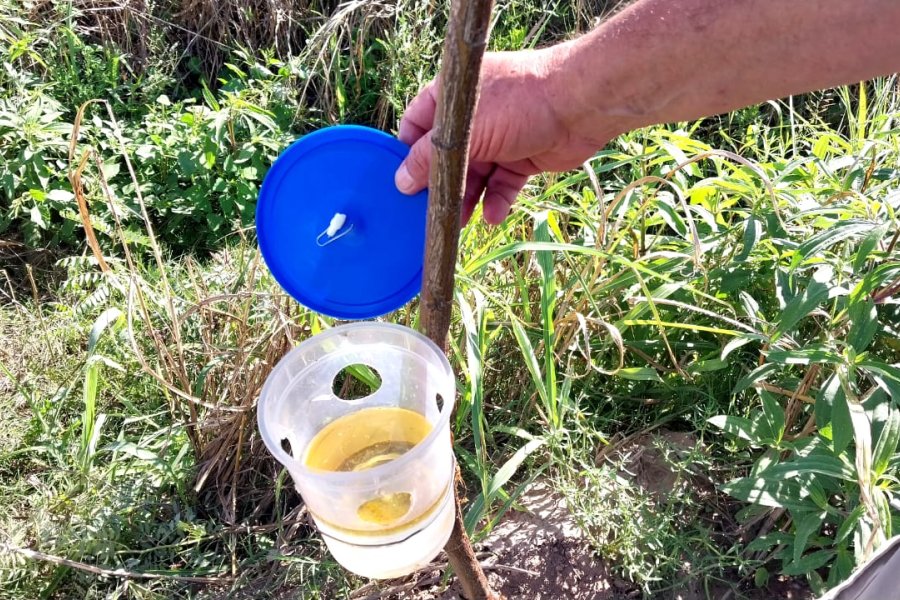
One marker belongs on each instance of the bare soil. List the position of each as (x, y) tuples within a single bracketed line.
[(540, 553)]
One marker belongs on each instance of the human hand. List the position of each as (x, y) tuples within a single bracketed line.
[(520, 128)]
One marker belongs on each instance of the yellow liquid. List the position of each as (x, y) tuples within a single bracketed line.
[(366, 439)]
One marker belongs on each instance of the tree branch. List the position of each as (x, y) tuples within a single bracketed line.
[(464, 46)]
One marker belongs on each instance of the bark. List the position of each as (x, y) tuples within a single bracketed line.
[(464, 46)]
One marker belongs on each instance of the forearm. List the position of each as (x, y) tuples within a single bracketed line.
[(665, 60)]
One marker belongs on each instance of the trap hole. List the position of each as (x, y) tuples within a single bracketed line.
[(356, 381)]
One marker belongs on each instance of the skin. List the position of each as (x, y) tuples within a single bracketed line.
[(659, 61)]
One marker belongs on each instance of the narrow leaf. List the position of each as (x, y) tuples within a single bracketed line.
[(106, 318), (886, 446), (803, 356), (639, 374), (806, 525), (863, 323), (736, 426), (808, 563), (753, 228), (757, 374), (774, 415), (800, 306)]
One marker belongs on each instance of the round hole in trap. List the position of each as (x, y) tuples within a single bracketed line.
[(286, 446), (356, 381)]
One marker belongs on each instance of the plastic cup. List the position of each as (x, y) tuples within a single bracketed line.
[(298, 401)]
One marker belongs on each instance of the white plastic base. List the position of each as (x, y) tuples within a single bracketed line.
[(398, 559)]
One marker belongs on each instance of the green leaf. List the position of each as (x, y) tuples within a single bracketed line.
[(806, 525), (475, 325), (821, 464), (187, 163), (132, 449), (866, 247), (849, 524), (214, 221), (883, 508), (736, 426), (531, 362), (545, 261), (840, 231), (863, 323), (761, 577), (887, 376), (106, 318), (750, 305), (366, 375), (672, 218), (757, 374), (841, 423), (88, 418), (767, 541), (37, 218), (200, 379), (784, 288), (803, 356), (800, 306), (736, 343), (808, 563), (753, 228), (60, 195), (782, 493), (639, 374), (110, 169), (708, 366), (505, 473), (841, 569), (886, 446), (774, 415), (209, 98)]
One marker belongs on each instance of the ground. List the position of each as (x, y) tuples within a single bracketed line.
[(540, 552)]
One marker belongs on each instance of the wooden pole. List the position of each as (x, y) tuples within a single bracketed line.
[(467, 34)]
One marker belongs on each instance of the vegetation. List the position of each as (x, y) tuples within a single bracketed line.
[(734, 279)]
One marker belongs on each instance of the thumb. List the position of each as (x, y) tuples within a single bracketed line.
[(412, 175)]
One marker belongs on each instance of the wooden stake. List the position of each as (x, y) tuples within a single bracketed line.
[(464, 46)]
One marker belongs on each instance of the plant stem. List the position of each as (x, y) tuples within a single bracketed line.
[(464, 46)]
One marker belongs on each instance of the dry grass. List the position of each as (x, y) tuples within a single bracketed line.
[(118, 22)]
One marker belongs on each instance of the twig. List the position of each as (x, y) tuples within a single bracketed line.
[(120, 573), (779, 390), (512, 569)]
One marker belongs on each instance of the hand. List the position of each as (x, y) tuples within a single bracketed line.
[(518, 131)]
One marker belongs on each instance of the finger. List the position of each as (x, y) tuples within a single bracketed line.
[(418, 117), (412, 175), (503, 186), (476, 179)]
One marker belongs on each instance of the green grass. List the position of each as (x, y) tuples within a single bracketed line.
[(635, 298)]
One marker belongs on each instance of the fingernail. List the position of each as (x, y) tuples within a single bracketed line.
[(404, 181)]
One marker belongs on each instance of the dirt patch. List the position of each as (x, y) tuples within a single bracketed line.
[(540, 552), (657, 462), (537, 553)]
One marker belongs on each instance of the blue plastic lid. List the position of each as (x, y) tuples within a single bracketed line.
[(363, 265)]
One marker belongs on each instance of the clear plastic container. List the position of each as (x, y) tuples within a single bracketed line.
[(298, 401)]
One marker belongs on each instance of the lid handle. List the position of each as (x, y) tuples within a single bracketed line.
[(332, 231)]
